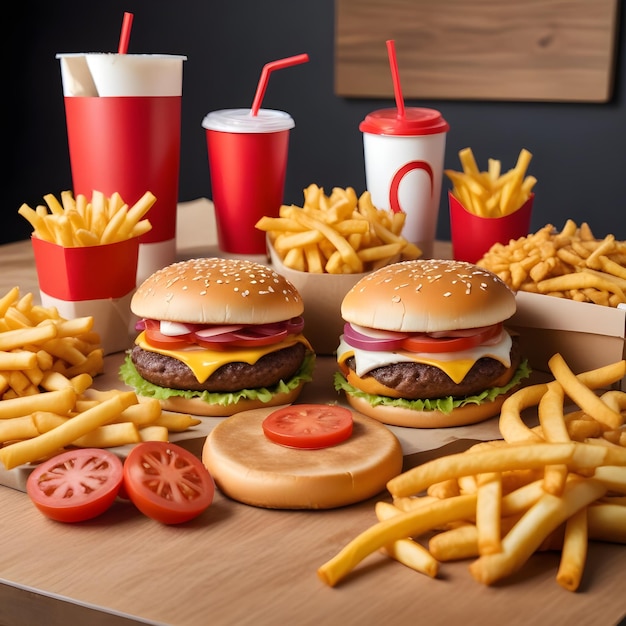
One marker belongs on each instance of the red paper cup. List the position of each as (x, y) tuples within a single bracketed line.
[(248, 166), (472, 235), (128, 145), (86, 273)]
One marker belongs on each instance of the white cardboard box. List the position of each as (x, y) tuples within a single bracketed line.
[(587, 335)]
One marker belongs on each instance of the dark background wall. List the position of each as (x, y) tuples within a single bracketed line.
[(579, 149)]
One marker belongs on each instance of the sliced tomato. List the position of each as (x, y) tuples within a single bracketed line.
[(310, 426), (166, 482), (169, 342), (453, 341), (76, 485), (428, 343)]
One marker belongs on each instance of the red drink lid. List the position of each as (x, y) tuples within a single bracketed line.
[(416, 121)]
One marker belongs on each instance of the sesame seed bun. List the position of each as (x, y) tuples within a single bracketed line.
[(249, 468), (428, 295), (217, 291)]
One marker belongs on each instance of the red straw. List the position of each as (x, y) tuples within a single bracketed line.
[(125, 34), (268, 68), (395, 75)]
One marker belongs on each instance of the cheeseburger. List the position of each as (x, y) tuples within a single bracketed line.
[(424, 344), (218, 336)]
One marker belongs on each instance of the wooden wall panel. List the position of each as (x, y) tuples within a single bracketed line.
[(545, 50)]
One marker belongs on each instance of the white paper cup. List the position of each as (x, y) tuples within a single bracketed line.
[(110, 74), (404, 168)]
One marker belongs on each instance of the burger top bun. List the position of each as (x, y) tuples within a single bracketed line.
[(250, 468), (217, 291), (428, 295)]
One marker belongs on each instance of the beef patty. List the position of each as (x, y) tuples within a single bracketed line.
[(270, 369), (420, 381)]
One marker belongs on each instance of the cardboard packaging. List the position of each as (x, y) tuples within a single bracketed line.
[(96, 281), (587, 335), (322, 295)]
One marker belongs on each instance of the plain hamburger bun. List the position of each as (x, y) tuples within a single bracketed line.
[(249, 468)]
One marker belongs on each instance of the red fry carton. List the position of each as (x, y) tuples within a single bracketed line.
[(473, 235), (96, 281)]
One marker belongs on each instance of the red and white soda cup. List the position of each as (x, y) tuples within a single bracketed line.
[(404, 157), (123, 115), (248, 165)]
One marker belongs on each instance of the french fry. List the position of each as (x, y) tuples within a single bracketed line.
[(407, 551), (491, 193), (61, 401), (76, 222), (63, 435), (532, 529), (154, 433), (508, 499), (408, 524), (574, 552), (337, 234), (570, 263)]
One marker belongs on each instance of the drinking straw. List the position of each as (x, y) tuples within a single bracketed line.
[(127, 23), (395, 75), (268, 68)]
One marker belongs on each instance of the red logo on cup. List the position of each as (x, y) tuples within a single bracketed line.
[(394, 201)]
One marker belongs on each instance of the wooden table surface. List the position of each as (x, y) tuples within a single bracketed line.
[(237, 564)]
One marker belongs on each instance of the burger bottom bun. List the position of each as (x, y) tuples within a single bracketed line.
[(400, 416), (250, 468), (196, 406)]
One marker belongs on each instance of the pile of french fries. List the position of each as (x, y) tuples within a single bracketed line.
[(337, 234), (491, 193), (570, 263), (47, 367), (77, 222), (552, 487)]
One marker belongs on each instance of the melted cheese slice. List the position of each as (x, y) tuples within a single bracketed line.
[(455, 364), (203, 361)]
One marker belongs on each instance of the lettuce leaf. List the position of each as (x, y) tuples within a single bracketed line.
[(445, 405), (129, 375)]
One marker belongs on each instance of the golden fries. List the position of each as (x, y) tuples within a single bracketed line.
[(337, 234), (41, 351), (570, 263), (499, 502), (490, 193), (79, 223), (47, 367)]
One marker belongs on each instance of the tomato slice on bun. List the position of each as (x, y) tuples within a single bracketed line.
[(310, 426)]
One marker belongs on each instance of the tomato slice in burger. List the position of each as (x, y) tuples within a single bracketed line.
[(309, 426), (76, 485), (169, 342), (464, 340), (166, 482)]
